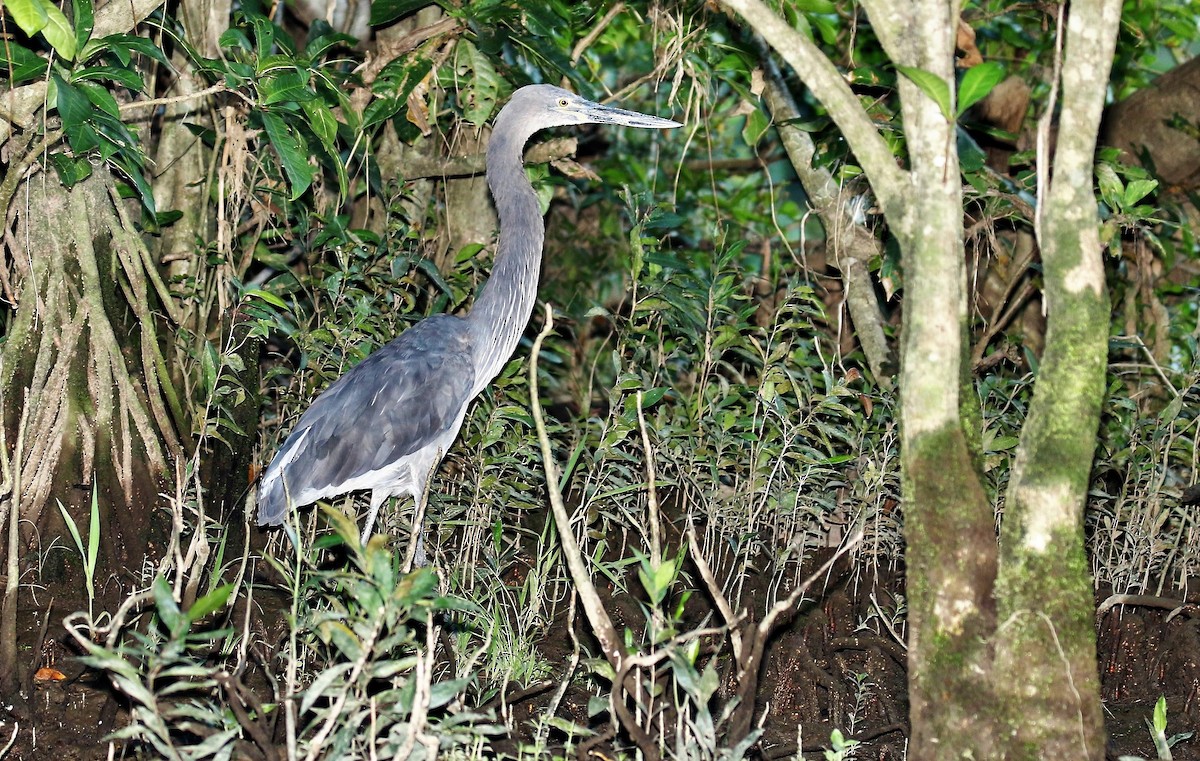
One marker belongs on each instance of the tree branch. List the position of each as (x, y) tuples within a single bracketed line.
[(850, 244), (818, 73)]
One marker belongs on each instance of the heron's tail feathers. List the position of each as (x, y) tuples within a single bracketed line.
[(272, 500)]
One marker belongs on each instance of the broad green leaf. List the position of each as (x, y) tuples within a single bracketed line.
[(30, 15), (343, 638), (168, 609), (101, 98), (343, 526), (318, 45), (977, 82), (73, 106), (1160, 714), (1136, 190), (288, 87), (322, 683), (292, 152), (70, 170), (379, 110), (931, 84), (122, 47), (971, 157), (126, 77), (652, 397), (59, 33), (477, 97), (270, 298), (756, 126), (85, 21), (442, 693), (323, 122), (1112, 190), (21, 63)]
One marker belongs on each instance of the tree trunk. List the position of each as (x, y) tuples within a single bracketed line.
[(1045, 586), (80, 369), (1002, 663)]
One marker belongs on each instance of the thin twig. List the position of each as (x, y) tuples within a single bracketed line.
[(714, 590), (652, 516), (602, 626), (590, 37), (154, 102)]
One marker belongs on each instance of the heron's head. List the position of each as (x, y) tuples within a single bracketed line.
[(541, 106)]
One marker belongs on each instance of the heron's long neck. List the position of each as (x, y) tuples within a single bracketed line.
[(506, 300)]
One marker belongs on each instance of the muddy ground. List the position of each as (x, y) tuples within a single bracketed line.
[(821, 671)]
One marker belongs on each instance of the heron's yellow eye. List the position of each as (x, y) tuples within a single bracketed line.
[(562, 102)]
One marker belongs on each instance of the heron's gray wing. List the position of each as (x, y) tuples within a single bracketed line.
[(395, 402)]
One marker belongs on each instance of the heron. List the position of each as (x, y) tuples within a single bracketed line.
[(386, 424)]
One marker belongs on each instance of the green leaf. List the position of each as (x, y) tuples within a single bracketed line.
[(93, 552), (379, 110), (322, 683), (21, 63), (168, 609), (122, 47), (1160, 714), (74, 108), (976, 83), (289, 87), (234, 38), (345, 640), (1136, 190), (126, 77), (59, 33), (1112, 190), (323, 122), (971, 157), (209, 602), (85, 21), (71, 170), (386, 11), (934, 87), (30, 15), (270, 298), (652, 397), (133, 172), (101, 98), (756, 126), (478, 95), (292, 153)]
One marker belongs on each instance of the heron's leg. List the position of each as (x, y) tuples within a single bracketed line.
[(421, 499), (378, 497)]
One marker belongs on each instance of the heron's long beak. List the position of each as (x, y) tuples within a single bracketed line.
[(610, 115)]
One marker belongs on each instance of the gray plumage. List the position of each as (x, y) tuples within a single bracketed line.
[(386, 424)]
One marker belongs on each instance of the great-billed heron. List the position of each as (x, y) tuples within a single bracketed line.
[(387, 423)]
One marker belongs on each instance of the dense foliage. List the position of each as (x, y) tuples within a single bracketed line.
[(702, 380)]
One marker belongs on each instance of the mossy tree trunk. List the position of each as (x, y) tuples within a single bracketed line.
[(1045, 590), (81, 372), (1000, 665)]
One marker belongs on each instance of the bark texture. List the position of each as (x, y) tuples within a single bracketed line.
[(80, 369), (1045, 586), (1001, 663)]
